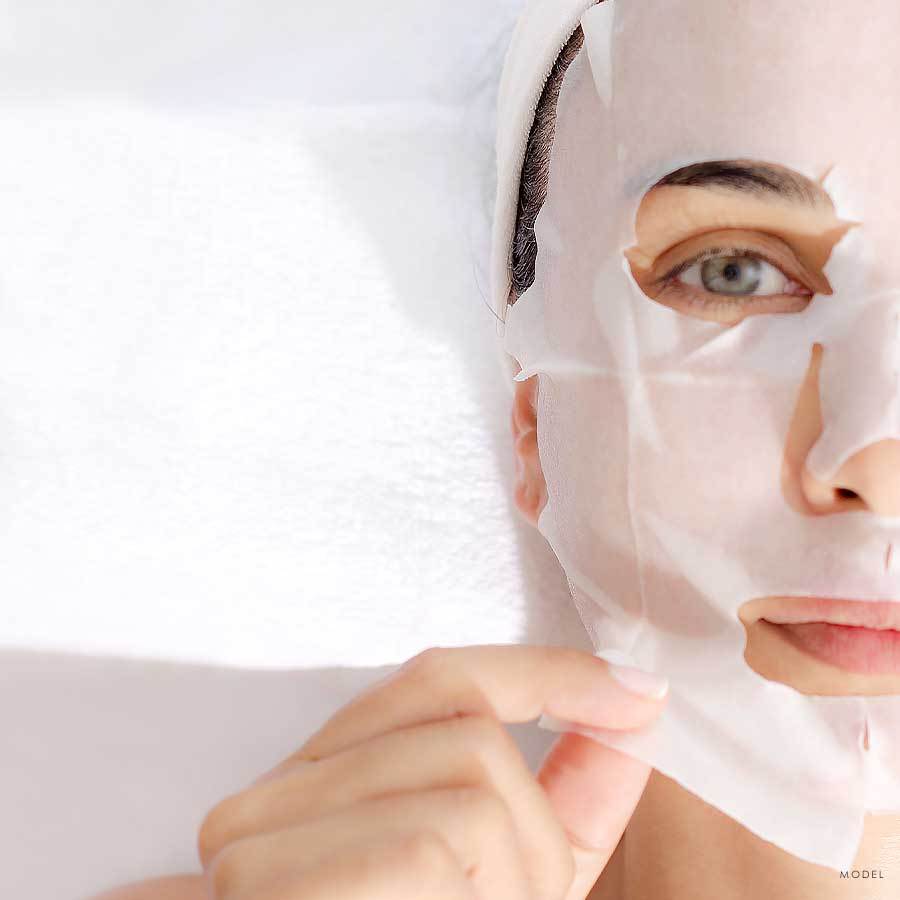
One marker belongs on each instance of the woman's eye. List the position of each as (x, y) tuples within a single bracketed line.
[(736, 276), (727, 284)]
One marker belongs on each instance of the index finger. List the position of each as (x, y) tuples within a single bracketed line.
[(512, 682)]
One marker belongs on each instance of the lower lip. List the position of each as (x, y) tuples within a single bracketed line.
[(868, 651)]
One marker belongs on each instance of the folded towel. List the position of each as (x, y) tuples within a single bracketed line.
[(251, 409)]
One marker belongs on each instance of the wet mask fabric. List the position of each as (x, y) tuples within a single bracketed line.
[(662, 435)]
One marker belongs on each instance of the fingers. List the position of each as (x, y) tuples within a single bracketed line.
[(474, 824), (593, 790), (424, 752), (473, 751), (422, 866), (513, 683)]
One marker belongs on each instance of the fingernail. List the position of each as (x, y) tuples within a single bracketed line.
[(647, 684)]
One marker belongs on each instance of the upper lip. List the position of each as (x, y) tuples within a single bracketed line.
[(882, 615)]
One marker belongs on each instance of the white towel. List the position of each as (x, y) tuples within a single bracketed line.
[(250, 409), (252, 413)]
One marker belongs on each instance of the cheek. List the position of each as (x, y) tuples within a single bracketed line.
[(715, 452), (709, 467), (583, 441), (694, 453)]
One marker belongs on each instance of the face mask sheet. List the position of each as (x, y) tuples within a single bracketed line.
[(662, 435)]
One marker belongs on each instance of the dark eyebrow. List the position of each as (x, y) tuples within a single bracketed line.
[(748, 177)]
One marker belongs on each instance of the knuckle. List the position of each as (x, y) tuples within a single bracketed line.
[(430, 670), (426, 852), (428, 660), (544, 661), (219, 827), (550, 657), (494, 746), (483, 810), (489, 743), (224, 875), (599, 845)]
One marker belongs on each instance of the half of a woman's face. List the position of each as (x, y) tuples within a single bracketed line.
[(727, 239), (718, 301)]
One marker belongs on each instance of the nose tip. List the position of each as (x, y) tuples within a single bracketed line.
[(870, 479)]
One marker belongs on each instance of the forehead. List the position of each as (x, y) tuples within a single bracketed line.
[(810, 80), (814, 87)]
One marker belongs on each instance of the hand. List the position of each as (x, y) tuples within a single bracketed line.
[(415, 789)]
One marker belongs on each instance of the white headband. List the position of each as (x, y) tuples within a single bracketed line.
[(539, 37)]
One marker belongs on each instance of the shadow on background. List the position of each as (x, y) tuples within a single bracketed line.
[(108, 766)]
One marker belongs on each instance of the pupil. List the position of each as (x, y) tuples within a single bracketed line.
[(732, 275)]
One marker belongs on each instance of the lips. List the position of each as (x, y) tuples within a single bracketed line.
[(861, 613), (859, 636)]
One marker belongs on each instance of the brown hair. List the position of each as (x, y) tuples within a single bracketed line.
[(536, 171)]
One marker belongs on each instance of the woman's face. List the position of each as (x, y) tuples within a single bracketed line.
[(714, 328), (707, 418), (723, 242)]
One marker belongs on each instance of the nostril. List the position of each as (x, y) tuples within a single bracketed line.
[(846, 494)]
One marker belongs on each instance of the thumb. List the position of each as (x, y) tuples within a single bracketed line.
[(593, 790)]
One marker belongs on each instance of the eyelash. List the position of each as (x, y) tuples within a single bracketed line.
[(710, 302)]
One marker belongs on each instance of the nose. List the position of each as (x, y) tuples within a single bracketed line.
[(869, 479)]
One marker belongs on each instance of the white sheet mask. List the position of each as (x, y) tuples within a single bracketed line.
[(662, 436)]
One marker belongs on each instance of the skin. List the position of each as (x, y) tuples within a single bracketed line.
[(676, 846), (415, 789)]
